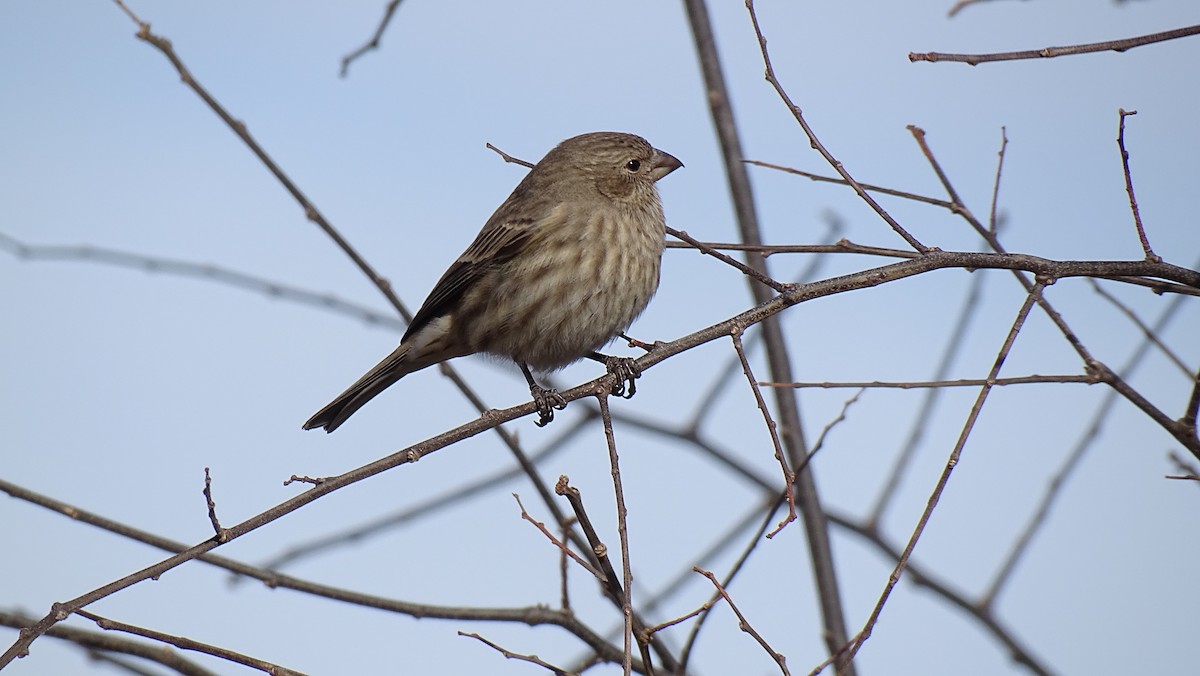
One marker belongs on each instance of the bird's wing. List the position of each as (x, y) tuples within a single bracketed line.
[(497, 243)]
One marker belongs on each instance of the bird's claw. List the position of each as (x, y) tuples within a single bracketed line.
[(547, 402), (626, 371)]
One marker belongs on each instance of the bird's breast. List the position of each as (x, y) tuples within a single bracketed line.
[(579, 282)]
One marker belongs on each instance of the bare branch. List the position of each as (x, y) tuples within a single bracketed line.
[(944, 479), (373, 43), (188, 644), (816, 143), (964, 382), (789, 477), (744, 624), (212, 508), (508, 654), (566, 550), (1051, 52), (103, 646), (1133, 206)]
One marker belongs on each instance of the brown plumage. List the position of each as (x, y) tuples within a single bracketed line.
[(566, 263)]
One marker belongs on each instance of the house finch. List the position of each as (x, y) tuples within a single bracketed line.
[(565, 264)]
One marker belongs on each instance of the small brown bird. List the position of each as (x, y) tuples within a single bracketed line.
[(565, 264)]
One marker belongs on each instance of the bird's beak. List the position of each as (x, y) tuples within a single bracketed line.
[(663, 164)]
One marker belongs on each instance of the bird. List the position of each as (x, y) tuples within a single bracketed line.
[(563, 266)]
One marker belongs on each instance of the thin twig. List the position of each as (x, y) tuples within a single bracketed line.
[(212, 508), (103, 646), (744, 624), (562, 546), (509, 158), (922, 384), (622, 530), (740, 266), (816, 142), (184, 643), (1133, 205), (842, 246), (373, 43), (1051, 52), (1072, 461), (1189, 470), (1149, 334), (865, 186), (1030, 300), (841, 416), (917, 575), (789, 477), (955, 342), (737, 567), (992, 220), (563, 568), (508, 654), (610, 583)]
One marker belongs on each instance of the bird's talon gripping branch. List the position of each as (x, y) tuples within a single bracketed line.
[(627, 372), (547, 402)]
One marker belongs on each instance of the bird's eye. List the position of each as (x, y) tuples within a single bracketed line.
[(633, 165)]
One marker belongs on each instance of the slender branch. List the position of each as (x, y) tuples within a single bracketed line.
[(955, 342), (215, 273), (509, 158), (373, 43), (612, 585), (744, 624), (819, 178), (789, 477), (841, 246), (919, 576), (1051, 52), (508, 654), (184, 643), (103, 645), (738, 566), (1089, 436), (993, 222), (1149, 334), (841, 417), (212, 508), (816, 143), (1030, 300), (1133, 205), (964, 382), (566, 550), (359, 532), (740, 266), (622, 531)]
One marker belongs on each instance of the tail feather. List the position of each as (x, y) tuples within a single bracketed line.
[(378, 379)]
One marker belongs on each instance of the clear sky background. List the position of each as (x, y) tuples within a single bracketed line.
[(120, 386)]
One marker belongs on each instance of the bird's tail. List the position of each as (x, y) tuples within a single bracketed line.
[(393, 368)]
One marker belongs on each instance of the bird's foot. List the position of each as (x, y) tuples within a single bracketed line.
[(547, 402), (626, 371)]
